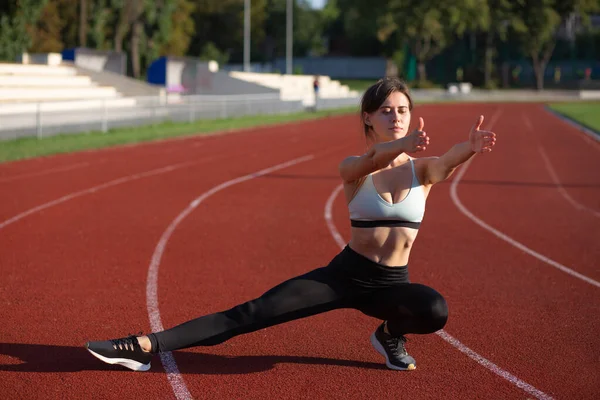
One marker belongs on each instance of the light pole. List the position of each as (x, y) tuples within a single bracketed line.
[(247, 35), (289, 42)]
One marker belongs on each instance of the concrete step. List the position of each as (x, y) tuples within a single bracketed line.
[(31, 69), (44, 81)]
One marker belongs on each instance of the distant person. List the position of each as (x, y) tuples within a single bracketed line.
[(386, 189), (516, 72), (316, 85)]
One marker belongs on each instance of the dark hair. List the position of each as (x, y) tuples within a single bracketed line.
[(376, 94)]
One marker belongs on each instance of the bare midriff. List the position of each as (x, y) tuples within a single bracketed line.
[(389, 246)]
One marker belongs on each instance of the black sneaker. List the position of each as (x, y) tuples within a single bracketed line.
[(124, 351), (392, 348)]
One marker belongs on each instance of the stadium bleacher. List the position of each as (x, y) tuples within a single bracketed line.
[(297, 87), (55, 87), (46, 94)]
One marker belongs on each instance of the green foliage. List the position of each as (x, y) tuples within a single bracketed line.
[(45, 32), (100, 19), (182, 29), (536, 24), (399, 58), (409, 32), (222, 23), (15, 37), (358, 27), (211, 52)]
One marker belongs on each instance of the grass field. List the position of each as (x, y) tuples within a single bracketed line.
[(30, 147), (359, 85), (586, 113)]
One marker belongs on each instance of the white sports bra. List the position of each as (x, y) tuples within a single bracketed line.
[(368, 209)]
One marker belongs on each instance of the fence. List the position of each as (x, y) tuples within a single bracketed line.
[(46, 119)]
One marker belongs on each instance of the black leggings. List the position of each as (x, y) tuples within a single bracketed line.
[(349, 281)]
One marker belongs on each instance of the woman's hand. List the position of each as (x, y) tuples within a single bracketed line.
[(417, 140), (481, 141)]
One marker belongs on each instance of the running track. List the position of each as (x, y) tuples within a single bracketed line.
[(104, 243)]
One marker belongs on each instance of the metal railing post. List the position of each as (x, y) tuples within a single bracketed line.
[(104, 117), (192, 111), (224, 108), (38, 118)]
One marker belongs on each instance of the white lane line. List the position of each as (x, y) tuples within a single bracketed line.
[(506, 238), (493, 367), (47, 172), (560, 187), (173, 375), (94, 189), (554, 175), (441, 333)]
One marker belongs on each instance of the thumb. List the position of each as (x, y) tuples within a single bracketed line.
[(421, 124), (478, 123)]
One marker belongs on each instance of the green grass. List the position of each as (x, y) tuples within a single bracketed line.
[(586, 113), (360, 85), (32, 147)]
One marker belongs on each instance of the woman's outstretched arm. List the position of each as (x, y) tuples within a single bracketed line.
[(380, 155), (480, 141)]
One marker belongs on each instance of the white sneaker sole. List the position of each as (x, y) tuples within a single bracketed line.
[(380, 350), (131, 364)]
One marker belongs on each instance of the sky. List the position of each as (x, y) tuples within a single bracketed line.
[(317, 3)]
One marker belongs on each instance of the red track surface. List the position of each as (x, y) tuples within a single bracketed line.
[(76, 270)]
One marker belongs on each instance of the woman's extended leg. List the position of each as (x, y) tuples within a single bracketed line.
[(312, 293), (315, 292)]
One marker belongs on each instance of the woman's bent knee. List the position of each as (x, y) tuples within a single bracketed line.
[(438, 314)]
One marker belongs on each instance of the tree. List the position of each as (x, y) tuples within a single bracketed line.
[(537, 24), (148, 24), (17, 18), (100, 20), (83, 16), (222, 23), (357, 34), (428, 25), (499, 15), (182, 31), (45, 33), (309, 40)]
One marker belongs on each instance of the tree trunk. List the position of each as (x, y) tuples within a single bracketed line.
[(422, 71), (489, 59), (82, 23), (135, 48), (540, 61), (539, 67), (122, 26)]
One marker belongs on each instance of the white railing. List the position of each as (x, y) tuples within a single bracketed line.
[(51, 118)]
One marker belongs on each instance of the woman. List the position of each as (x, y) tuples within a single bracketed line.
[(386, 190)]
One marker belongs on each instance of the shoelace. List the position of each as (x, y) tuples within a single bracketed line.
[(397, 345), (126, 343)]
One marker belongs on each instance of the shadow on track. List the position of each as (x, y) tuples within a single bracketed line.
[(51, 358)]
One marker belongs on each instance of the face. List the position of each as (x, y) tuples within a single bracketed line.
[(391, 120)]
